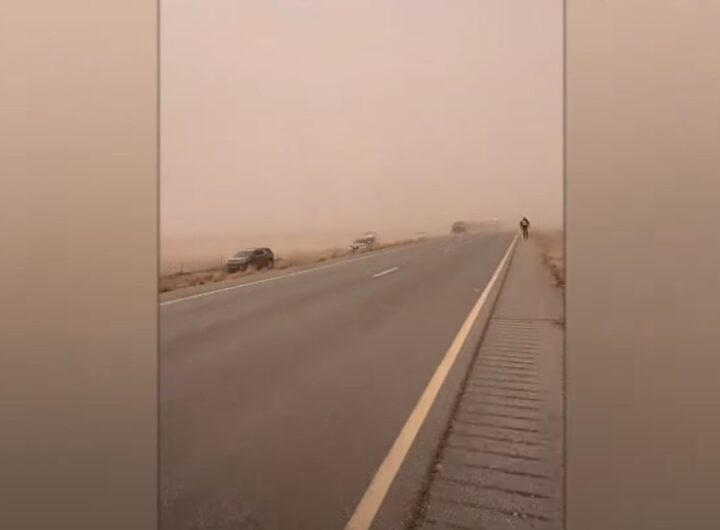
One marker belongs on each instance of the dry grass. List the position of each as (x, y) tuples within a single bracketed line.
[(308, 258), (172, 282), (551, 245)]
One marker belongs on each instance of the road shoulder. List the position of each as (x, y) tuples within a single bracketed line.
[(264, 276), (499, 461)]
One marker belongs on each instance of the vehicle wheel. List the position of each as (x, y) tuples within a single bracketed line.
[(270, 264)]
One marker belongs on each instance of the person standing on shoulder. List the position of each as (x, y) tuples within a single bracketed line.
[(525, 226)]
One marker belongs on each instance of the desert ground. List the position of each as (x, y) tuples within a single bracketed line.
[(552, 247), (188, 261)]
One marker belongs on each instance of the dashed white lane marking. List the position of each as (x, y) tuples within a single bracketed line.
[(377, 490), (386, 271)]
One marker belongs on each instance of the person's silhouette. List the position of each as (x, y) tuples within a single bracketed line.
[(525, 226)]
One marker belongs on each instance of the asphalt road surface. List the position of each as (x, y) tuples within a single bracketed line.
[(279, 400)]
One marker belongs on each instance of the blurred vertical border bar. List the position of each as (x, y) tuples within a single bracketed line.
[(79, 267), (643, 281)]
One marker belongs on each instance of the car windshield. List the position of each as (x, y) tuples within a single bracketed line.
[(243, 254)]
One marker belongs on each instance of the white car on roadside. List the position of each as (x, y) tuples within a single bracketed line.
[(363, 243)]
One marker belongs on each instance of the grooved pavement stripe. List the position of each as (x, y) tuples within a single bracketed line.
[(501, 465)]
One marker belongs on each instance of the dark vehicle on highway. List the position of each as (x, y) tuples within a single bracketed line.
[(258, 258), (459, 227)]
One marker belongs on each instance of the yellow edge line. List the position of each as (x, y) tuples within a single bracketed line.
[(375, 495)]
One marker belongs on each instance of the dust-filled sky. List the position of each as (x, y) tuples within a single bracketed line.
[(315, 115)]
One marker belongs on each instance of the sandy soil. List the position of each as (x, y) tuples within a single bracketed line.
[(551, 244), (187, 254), (171, 281)]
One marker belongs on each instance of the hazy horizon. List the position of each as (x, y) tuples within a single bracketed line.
[(341, 116)]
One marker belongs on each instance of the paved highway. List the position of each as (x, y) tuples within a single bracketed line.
[(280, 399)]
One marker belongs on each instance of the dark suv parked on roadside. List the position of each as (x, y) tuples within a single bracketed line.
[(258, 258)]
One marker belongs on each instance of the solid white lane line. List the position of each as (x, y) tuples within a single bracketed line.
[(290, 275), (387, 271), (376, 492)]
